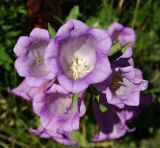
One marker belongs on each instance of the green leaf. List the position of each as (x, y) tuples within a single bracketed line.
[(74, 13), (125, 47), (116, 51), (102, 108), (77, 136), (74, 100), (6, 27), (22, 10), (116, 47), (5, 59), (51, 30), (93, 22), (4, 145), (13, 34)]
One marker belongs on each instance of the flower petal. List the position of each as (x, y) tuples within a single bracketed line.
[(102, 38), (34, 81), (101, 71), (132, 99), (23, 66), (72, 85), (40, 34), (72, 28), (22, 45)]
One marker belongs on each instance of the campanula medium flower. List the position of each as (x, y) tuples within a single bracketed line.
[(111, 125), (125, 35), (113, 122), (123, 86), (56, 111), (57, 69), (81, 53), (30, 52)]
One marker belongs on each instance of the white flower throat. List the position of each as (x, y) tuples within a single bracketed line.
[(78, 67)]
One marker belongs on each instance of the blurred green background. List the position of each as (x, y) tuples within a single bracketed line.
[(18, 17)]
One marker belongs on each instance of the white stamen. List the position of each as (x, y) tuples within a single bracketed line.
[(78, 67)]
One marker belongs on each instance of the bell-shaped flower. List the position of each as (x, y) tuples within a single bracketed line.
[(110, 124), (81, 53), (30, 62), (123, 86), (57, 110), (113, 122), (124, 35)]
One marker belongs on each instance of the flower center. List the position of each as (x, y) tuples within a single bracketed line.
[(39, 68), (78, 67)]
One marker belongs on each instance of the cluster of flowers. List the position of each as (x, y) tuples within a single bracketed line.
[(60, 72)]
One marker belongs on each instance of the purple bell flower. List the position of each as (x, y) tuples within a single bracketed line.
[(30, 51), (81, 53), (123, 86), (111, 125), (56, 70), (56, 111), (113, 122)]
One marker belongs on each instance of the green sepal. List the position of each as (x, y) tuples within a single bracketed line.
[(74, 100), (51, 31), (102, 108), (97, 97), (74, 13), (117, 51), (116, 47), (124, 48)]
